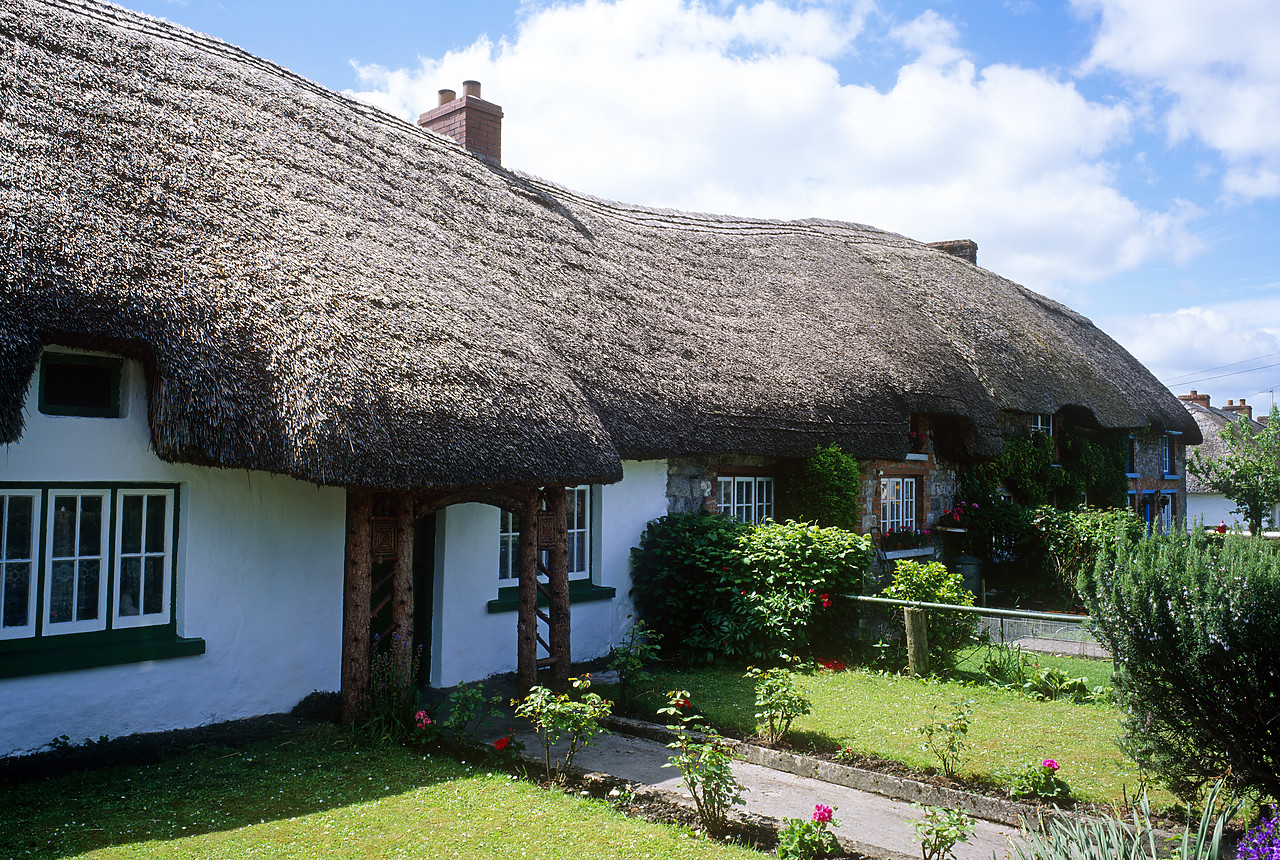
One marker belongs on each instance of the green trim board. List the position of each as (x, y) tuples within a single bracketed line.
[(70, 656), (580, 591), (84, 386)]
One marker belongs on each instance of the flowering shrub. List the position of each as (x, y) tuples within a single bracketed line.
[(846, 754), (557, 715), (1262, 842), (957, 517), (705, 765), (807, 840), (832, 665), (712, 587), (1040, 781)]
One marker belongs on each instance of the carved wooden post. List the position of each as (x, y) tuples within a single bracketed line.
[(558, 585), (527, 610), (355, 608), (402, 582), (917, 641)]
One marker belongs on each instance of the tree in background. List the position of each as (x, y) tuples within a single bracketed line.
[(1248, 471)]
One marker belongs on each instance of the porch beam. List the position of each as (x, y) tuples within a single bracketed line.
[(558, 585), (402, 581), (527, 609), (355, 608)]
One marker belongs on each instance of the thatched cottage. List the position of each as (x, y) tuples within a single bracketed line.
[(259, 342), (1205, 504)]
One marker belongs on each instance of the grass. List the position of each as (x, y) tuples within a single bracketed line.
[(322, 793), (879, 715)]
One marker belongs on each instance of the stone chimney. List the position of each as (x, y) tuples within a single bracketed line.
[(1196, 398), (1240, 408), (470, 120), (965, 249)]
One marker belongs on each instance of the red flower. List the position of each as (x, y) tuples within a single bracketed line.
[(502, 743), (826, 600), (684, 704)]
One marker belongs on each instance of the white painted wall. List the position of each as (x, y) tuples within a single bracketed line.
[(469, 643), (260, 569), (1216, 508)]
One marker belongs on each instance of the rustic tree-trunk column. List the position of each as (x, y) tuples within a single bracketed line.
[(558, 574), (355, 607), (402, 582), (917, 641), (527, 610)]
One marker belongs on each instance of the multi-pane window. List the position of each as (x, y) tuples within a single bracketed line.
[(1042, 424), (1131, 457), (749, 500), (18, 560), (897, 504), (577, 502), (1168, 455), (105, 562)]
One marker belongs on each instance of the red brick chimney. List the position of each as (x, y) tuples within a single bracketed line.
[(1240, 408), (1198, 399), (470, 120)]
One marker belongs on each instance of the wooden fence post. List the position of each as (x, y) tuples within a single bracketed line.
[(527, 609), (917, 641), (558, 586), (402, 583)]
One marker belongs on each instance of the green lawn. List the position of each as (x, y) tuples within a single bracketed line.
[(320, 794), (878, 714)]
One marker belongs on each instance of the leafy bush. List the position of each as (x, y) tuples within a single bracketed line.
[(809, 840), (933, 583), (705, 764), (1196, 637), (1039, 781), (682, 582), (824, 489), (713, 587), (631, 658), (940, 830), (779, 701), (945, 738), (1070, 540), (558, 715)]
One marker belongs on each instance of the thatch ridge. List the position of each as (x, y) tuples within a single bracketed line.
[(319, 289)]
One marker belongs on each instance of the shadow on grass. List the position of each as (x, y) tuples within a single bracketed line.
[(208, 787)]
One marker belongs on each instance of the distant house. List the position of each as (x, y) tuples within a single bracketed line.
[(279, 371), (1204, 504)]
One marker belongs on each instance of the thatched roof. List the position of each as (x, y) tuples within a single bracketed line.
[(1211, 422), (319, 289)]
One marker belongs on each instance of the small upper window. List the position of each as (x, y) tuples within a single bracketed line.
[(1042, 424), (83, 385)]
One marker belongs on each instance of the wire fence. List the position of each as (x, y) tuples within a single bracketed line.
[(1043, 632)]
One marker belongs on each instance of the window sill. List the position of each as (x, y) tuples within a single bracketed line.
[(1169, 477), (908, 553), (66, 658), (918, 457), (580, 591), (1133, 474)]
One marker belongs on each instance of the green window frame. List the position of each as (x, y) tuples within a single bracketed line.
[(90, 575), (99, 372)]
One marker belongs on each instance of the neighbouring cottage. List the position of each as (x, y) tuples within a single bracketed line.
[(1205, 505), (279, 371)]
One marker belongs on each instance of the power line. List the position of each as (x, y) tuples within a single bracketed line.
[(1175, 379), (1222, 375)]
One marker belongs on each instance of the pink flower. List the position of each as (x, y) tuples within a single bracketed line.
[(1050, 764), (422, 719), (822, 812)]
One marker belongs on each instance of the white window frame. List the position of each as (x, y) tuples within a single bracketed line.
[(165, 555), (1042, 423), (897, 504), (32, 561), (748, 499), (49, 627), (580, 518)]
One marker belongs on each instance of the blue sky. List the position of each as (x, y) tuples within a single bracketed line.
[(1121, 156)]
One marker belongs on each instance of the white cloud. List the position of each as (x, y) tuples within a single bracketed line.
[(1218, 66), (676, 103), (1227, 350)]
